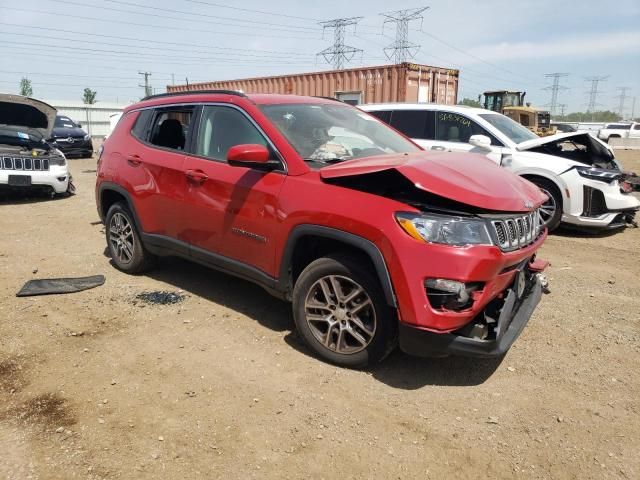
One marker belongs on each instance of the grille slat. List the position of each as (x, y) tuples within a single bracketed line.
[(517, 232), (24, 163)]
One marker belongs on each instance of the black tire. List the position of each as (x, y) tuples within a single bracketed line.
[(555, 197), (348, 272), (140, 260)]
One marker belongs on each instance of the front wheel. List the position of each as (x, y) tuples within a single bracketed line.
[(340, 311), (123, 240), (551, 210)]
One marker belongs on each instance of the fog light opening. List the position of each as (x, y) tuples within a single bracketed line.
[(446, 294)]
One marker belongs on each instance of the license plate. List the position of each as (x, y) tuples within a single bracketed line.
[(19, 180)]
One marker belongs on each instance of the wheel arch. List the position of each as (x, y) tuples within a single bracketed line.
[(110, 193), (558, 182), (309, 242)]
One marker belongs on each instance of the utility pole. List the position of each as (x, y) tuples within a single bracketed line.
[(401, 49), (555, 88), (593, 93), (147, 86), (562, 106), (623, 98), (339, 53)]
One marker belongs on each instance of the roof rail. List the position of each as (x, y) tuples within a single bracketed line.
[(328, 98), (195, 92)]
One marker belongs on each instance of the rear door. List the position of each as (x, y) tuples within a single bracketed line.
[(232, 211), (417, 125), (153, 167)]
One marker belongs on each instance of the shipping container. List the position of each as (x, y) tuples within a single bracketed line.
[(406, 82)]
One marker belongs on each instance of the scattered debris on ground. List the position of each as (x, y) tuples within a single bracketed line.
[(161, 297)]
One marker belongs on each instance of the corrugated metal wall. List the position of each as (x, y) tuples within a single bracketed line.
[(389, 83), (93, 118)]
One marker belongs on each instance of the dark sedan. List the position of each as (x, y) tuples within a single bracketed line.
[(69, 137)]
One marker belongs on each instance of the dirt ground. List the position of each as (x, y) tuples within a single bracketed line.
[(96, 385)]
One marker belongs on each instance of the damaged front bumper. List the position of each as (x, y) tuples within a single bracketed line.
[(506, 318)]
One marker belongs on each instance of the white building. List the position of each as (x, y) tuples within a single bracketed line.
[(93, 118)]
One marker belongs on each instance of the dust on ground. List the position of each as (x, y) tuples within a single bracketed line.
[(98, 385)]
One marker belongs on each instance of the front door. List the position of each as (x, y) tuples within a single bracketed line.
[(232, 211)]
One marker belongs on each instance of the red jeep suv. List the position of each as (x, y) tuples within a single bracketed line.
[(374, 241)]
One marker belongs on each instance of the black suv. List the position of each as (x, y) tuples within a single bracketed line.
[(71, 139)]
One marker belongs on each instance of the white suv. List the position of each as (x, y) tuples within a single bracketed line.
[(585, 184), (27, 161)]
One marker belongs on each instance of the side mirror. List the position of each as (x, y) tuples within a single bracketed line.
[(250, 156), (79, 125), (480, 141)]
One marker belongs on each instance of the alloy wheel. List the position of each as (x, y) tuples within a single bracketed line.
[(121, 238), (340, 314), (548, 208)]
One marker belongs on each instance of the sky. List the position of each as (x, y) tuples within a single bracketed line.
[(63, 46)]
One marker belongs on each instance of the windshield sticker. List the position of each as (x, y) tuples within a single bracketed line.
[(23, 135), (452, 117)]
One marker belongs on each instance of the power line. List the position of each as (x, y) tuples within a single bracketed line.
[(253, 33), (182, 12), (135, 39), (622, 97), (219, 5), (593, 93), (555, 88), (401, 49), (339, 53), (563, 107)]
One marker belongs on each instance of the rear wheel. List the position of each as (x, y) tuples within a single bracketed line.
[(551, 210), (339, 309), (123, 240)]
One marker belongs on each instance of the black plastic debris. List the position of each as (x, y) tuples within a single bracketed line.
[(52, 286), (160, 297)]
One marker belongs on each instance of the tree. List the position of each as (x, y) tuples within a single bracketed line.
[(89, 96), (469, 102), (601, 117), (25, 87)]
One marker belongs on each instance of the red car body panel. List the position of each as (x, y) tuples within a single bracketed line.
[(248, 215)]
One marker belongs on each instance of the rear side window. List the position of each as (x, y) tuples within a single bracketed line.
[(140, 128), (170, 127), (413, 123)]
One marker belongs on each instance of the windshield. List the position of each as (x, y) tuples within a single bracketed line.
[(64, 122), (324, 134), (513, 130)]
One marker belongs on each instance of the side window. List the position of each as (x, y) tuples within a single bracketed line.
[(384, 115), (140, 128), (412, 123), (222, 128), (452, 127), (170, 127), (636, 126)]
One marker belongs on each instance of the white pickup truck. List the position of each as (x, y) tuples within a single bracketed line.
[(619, 130)]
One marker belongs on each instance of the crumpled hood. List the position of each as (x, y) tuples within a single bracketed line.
[(26, 112), (467, 178), (599, 147)]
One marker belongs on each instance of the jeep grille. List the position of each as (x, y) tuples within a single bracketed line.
[(517, 232)]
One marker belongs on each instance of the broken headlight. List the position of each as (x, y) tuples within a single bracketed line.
[(57, 158), (446, 230), (599, 174)]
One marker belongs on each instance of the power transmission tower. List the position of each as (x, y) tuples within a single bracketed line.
[(147, 86), (562, 106), (555, 88), (401, 49), (593, 93), (633, 109), (623, 98), (339, 53)]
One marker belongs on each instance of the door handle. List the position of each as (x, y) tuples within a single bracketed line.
[(439, 148), (134, 160), (196, 176)]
